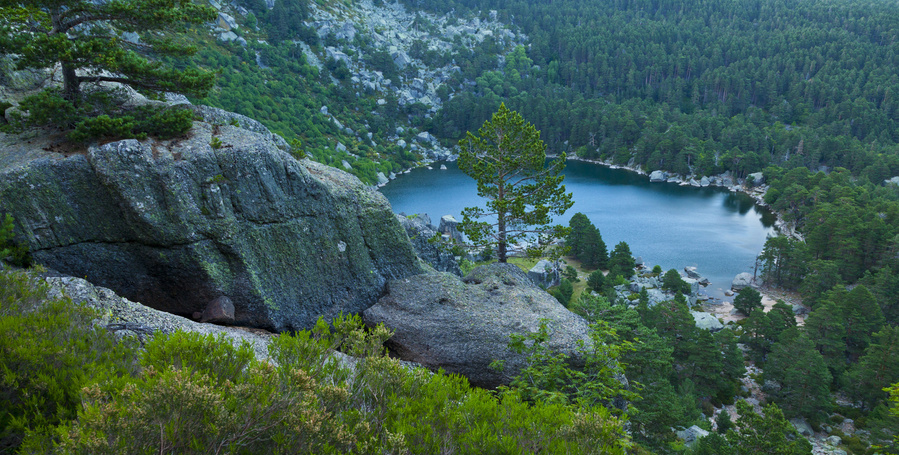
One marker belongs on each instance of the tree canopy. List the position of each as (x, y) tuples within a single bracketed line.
[(87, 40), (508, 161)]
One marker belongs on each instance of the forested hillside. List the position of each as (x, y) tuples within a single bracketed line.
[(700, 86)]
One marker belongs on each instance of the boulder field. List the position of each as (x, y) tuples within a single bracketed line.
[(223, 212)]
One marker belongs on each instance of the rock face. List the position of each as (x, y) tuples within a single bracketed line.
[(464, 325), (543, 274), (742, 280), (420, 231), (177, 224)]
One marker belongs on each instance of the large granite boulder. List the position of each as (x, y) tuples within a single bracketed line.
[(177, 224), (742, 280), (421, 232), (706, 321), (658, 176), (462, 326)]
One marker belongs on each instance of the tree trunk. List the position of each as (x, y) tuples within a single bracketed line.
[(70, 83), (501, 244), (501, 228)]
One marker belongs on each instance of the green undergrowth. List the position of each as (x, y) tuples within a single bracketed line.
[(70, 387)]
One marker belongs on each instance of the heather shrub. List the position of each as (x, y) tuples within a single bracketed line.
[(49, 350), (201, 394)]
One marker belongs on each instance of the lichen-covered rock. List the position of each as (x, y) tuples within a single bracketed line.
[(462, 326), (179, 223)]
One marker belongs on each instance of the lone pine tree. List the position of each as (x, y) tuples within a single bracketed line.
[(508, 161)]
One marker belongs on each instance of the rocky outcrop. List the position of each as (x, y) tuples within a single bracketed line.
[(706, 321), (462, 326), (543, 274), (742, 280), (177, 224), (420, 231), (125, 318), (449, 229), (691, 435)]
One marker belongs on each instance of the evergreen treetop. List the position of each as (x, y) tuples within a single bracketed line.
[(87, 40), (508, 161)]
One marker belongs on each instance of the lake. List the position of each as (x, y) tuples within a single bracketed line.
[(717, 231)]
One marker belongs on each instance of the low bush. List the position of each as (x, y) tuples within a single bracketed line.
[(99, 115), (49, 350), (202, 394)]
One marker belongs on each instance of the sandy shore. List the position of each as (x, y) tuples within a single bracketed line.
[(770, 296)]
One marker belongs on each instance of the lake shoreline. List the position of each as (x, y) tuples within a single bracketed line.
[(756, 193), (769, 293), (722, 283)]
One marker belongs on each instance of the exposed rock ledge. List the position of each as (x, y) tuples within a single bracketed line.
[(126, 318), (177, 224)]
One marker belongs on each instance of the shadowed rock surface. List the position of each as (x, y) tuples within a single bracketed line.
[(464, 325), (421, 231), (176, 224)]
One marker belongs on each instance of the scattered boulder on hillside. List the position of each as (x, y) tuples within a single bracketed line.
[(449, 228), (691, 435), (756, 179), (462, 326), (421, 231), (742, 280), (176, 224), (543, 274), (706, 321)]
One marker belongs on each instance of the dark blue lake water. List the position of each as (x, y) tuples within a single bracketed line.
[(718, 232)]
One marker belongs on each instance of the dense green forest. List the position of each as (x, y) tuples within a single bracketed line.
[(701, 87)]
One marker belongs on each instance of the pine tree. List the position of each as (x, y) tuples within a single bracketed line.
[(748, 300), (596, 281), (85, 38), (877, 368), (621, 261), (766, 433), (508, 161), (802, 375)]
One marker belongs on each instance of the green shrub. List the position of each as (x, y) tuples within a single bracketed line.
[(49, 350), (10, 250), (201, 394), (99, 115)]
